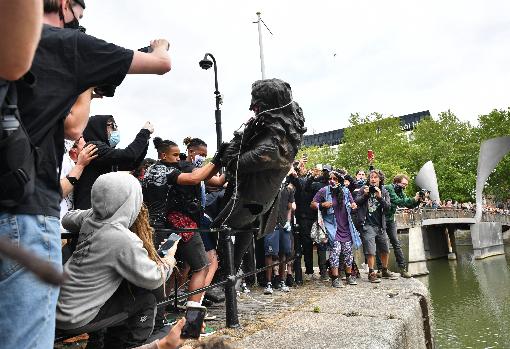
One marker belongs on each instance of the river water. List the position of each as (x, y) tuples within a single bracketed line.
[(470, 299)]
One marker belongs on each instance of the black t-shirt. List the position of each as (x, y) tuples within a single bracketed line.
[(374, 211), (155, 188), (67, 62), (286, 197)]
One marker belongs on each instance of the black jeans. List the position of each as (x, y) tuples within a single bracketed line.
[(128, 317), (391, 231), (303, 246)]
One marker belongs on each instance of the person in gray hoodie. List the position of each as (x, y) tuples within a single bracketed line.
[(110, 272)]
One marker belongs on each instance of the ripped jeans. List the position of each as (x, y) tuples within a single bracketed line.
[(338, 249)]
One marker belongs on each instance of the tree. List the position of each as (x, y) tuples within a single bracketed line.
[(453, 148), (496, 124)]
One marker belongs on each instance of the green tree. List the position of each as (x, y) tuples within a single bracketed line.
[(382, 135), (496, 124), (453, 148)]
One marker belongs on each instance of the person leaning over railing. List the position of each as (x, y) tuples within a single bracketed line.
[(113, 268)]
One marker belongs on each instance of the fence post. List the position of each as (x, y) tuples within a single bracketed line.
[(230, 287)]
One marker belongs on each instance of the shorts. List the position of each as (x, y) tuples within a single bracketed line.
[(193, 253), (279, 241), (209, 239), (374, 238)]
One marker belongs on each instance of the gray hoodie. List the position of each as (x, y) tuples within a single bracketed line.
[(107, 251)]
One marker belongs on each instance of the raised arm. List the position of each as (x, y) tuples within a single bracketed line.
[(155, 62)]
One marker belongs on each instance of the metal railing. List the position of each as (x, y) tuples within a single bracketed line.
[(408, 218), (231, 310)]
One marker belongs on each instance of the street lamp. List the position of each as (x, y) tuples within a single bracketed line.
[(205, 64)]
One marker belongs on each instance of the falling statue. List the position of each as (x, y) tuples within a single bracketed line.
[(258, 160)]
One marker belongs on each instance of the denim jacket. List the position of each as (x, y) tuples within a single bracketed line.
[(330, 220)]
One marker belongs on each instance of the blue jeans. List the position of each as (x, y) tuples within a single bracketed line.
[(28, 304)]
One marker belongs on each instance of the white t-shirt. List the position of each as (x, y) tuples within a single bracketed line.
[(67, 203)]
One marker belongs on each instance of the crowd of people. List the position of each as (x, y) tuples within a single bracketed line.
[(121, 207)]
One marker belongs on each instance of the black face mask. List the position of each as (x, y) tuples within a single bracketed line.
[(398, 188), (74, 24)]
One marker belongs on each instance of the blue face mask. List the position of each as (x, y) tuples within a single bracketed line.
[(199, 161), (114, 138)]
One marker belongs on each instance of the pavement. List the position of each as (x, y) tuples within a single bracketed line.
[(316, 315), (384, 315)]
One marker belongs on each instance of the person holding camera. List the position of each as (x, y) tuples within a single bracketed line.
[(103, 132), (67, 64), (398, 198), (373, 202), (336, 203)]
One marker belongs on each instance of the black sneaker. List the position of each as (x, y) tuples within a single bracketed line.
[(276, 281), (290, 281)]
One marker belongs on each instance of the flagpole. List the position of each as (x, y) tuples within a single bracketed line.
[(261, 47)]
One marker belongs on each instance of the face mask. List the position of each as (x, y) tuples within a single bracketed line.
[(199, 161), (360, 182), (114, 138), (74, 24), (398, 188)]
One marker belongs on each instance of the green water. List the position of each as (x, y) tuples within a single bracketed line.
[(471, 300)]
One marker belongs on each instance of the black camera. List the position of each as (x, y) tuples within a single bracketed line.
[(371, 189), (423, 193), (105, 90)]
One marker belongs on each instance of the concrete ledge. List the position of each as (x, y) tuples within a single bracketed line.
[(487, 239), (486, 252), (386, 315)]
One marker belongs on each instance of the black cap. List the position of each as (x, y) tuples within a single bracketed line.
[(81, 3)]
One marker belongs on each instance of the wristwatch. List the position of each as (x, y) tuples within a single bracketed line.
[(72, 180)]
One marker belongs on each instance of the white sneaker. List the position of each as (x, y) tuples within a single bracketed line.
[(284, 287), (268, 289), (316, 276), (308, 277), (244, 288), (364, 268)]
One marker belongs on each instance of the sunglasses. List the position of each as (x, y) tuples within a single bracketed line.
[(112, 124)]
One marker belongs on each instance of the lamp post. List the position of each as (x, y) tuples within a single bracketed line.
[(205, 64)]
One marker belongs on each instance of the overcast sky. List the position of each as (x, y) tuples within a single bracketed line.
[(392, 57)]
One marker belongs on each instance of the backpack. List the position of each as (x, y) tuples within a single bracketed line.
[(18, 156)]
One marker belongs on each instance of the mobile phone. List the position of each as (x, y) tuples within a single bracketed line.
[(171, 240), (194, 320), (370, 155)]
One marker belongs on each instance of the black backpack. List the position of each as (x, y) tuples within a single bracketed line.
[(18, 156)]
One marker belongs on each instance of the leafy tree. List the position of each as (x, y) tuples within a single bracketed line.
[(496, 124)]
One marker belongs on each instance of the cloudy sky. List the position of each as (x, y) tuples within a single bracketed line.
[(393, 57)]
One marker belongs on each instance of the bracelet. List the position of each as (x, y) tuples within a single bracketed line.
[(72, 180)]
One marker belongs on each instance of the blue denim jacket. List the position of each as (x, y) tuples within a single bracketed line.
[(330, 221)]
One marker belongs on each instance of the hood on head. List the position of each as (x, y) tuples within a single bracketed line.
[(96, 128), (117, 198)]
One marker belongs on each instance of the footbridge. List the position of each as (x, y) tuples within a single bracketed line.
[(431, 234)]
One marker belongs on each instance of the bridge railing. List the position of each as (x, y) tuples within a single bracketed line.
[(407, 218)]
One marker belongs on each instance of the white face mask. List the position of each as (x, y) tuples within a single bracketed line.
[(199, 160)]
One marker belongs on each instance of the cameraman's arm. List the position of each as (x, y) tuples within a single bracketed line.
[(20, 30), (78, 117), (156, 62)]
